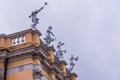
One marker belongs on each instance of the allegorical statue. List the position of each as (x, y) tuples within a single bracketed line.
[(59, 52), (72, 64), (33, 15), (49, 37)]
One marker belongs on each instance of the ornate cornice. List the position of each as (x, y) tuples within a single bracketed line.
[(56, 66), (61, 76), (41, 51), (29, 49), (21, 53), (23, 32), (23, 67)]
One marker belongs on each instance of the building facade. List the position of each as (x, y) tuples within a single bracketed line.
[(24, 56)]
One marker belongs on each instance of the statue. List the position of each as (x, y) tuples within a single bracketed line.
[(48, 37), (72, 64), (33, 15), (59, 52)]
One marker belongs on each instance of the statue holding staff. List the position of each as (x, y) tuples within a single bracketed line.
[(33, 15)]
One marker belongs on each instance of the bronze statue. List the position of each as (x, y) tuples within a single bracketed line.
[(33, 15)]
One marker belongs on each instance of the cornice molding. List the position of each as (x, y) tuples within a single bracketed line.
[(23, 67), (28, 49), (23, 32)]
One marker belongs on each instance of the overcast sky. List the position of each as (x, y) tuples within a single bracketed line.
[(89, 28)]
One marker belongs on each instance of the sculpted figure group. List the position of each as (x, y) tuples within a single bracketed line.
[(50, 37)]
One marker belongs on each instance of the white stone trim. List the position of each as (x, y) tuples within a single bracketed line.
[(22, 68)]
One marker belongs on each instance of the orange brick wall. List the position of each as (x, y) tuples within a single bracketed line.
[(23, 75)]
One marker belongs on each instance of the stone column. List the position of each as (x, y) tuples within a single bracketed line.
[(2, 41), (33, 37), (51, 51), (3, 56), (52, 76)]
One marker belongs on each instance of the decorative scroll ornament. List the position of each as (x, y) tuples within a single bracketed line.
[(49, 37), (72, 64), (59, 52), (33, 15), (37, 74)]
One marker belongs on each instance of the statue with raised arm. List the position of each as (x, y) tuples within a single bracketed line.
[(72, 64), (33, 15), (49, 37), (59, 52)]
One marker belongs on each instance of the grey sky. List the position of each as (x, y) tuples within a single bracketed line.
[(90, 29)]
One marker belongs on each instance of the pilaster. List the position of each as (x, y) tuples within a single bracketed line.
[(63, 66), (51, 51), (73, 76)]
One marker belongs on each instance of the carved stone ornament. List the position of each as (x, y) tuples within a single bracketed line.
[(37, 73)]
